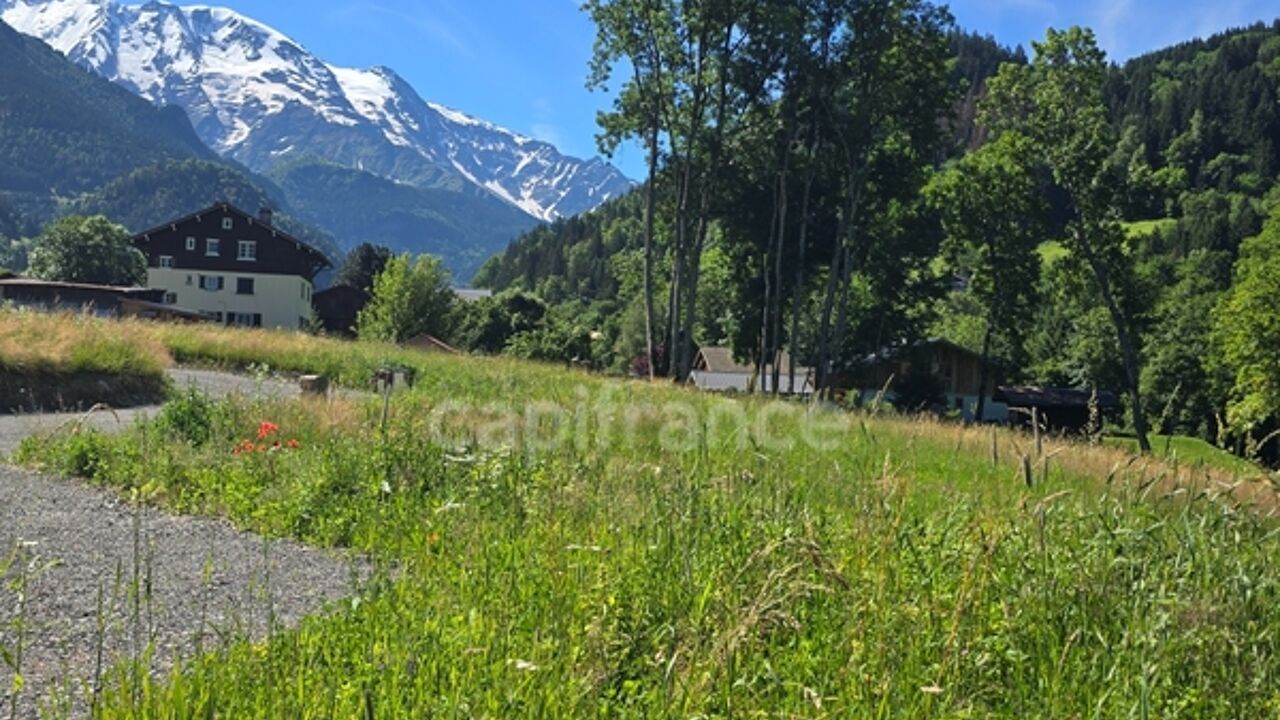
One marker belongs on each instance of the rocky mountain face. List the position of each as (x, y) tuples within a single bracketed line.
[(260, 98)]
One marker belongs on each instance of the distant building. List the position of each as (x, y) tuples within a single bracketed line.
[(957, 369), (234, 266), (338, 307), (102, 300), (430, 343), (1059, 409), (472, 294), (715, 369)]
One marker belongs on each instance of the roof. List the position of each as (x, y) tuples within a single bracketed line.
[(430, 342), (472, 294), (172, 310), (1032, 396), (19, 281), (340, 290), (893, 351), (223, 206), (718, 359)]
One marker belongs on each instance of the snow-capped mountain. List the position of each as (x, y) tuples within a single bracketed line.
[(257, 96)]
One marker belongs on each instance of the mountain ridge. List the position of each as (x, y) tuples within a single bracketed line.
[(255, 95)]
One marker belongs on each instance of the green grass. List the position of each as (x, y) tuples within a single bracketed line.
[(1191, 451), (36, 343), (550, 544), (1051, 251), (1141, 228)]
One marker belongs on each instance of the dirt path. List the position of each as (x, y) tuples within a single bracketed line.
[(105, 578)]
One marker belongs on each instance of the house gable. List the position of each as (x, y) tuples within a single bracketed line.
[(223, 238)]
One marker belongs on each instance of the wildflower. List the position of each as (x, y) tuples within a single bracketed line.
[(266, 429), (433, 538), (293, 444)]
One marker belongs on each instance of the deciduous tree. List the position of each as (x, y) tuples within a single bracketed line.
[(87, 250)]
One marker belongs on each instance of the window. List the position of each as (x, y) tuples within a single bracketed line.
[(170, 298), (244, 319), (211, 282), (189, 279), (211, 246), (226, 223), (191, 243), (244, 286), (166, 261), (247, 250)]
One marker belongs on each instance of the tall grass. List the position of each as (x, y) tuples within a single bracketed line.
[(35, 343), (649, 562)]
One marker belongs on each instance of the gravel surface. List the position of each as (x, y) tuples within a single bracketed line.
[(13, 428), (85, 546)]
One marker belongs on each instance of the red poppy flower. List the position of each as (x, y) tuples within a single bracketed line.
[(266, 429), (294, 444)]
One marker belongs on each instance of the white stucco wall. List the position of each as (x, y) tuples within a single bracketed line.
[(284, 301), (720, 381)]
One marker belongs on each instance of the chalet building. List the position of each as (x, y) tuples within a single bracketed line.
[(957, 369), (338, 307), (234, 266), (715, 369)]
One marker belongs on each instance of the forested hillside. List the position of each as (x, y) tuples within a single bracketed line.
[(1188, 145), (63, 131), (462, 226), (71, 142)]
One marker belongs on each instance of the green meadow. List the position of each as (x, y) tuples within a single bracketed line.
[(546, 543)]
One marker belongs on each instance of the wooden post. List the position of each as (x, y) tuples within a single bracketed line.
[(1035, 429)]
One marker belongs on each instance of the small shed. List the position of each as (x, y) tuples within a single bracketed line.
[(430, 343), (54, 295), (1060, 409), (715, 369), (337, 307)]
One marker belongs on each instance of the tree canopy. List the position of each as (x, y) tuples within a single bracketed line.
[(87, 250)]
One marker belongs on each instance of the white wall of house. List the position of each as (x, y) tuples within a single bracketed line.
[(721, 381), (281, 301)]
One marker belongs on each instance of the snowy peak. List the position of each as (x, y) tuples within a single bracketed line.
[(256, 95)]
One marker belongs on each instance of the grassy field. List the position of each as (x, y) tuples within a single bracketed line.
[(551, 544), (1190, 451), (67, 344), (38, 343), (68, 361)]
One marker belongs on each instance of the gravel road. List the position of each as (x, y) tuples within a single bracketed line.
[(206, 580), (13, 428)]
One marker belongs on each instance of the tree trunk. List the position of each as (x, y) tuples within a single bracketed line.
[(775, 341), (797, 301), (984, 364), (650, 202), (1128, 351)]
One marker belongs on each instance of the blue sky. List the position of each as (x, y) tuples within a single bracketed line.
[(523, 63)]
